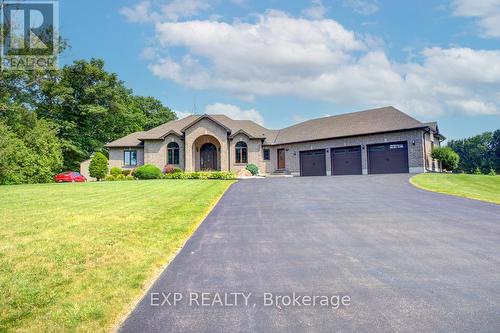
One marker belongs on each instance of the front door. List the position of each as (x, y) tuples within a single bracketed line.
[(208, 157), (281, 158)]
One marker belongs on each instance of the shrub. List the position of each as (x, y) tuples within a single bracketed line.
[(200, 175), (129, 177), (98, 167), (447, 156), (492, 172), (126, 172), (110, 178), (477, 171), (221, 175), (148, 171), (115, 171), (120, 177), (169, 168), (253, 169)]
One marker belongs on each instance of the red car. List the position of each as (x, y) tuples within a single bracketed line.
[(70, 176)]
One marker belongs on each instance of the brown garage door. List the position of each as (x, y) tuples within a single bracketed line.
[(388, 158), (313, 163), (346, 161)]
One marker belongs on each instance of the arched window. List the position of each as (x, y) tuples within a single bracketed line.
[(173, 153), (241, 152)]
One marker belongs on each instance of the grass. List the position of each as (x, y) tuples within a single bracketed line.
[(480, 187), (75, 257)]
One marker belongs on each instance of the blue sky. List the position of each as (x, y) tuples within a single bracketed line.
[(280, 62)]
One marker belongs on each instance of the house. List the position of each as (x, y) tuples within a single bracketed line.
[(383, 140)]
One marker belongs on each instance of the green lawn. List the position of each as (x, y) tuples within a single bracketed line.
[(480, 187), (75, 257)]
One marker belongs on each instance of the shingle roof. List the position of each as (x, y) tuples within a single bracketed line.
[(384, 119), (131, 140), (253, 129), (379, 120)]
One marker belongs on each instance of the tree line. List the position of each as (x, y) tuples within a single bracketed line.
[(480, 153), (52, 120)]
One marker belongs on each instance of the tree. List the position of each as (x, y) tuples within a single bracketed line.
[(496, 150), (14, 157), (43, 144), (83, 104), (156, 113), (92, 107), (38, 155), (478, 152), (98, 167), (448, 158)]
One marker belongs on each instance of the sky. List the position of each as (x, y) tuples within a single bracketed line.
[(281, 62)]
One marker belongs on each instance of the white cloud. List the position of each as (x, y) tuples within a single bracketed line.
[(138, 13), (321, 60), (171, 11), (177, 9), (487, 12), (235, 112), (316, 11), (363, 7), (182, 114)]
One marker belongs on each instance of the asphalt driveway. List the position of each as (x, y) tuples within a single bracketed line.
[(409, 260)]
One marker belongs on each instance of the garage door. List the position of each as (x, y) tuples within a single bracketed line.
[(346, 161), (313, 163), (388, 158)]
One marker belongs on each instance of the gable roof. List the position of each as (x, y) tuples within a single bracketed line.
[(131, 140), (385, 119)]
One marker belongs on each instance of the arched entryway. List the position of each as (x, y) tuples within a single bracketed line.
[(206, 153), (208, 157)]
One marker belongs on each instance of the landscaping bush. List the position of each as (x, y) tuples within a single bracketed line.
[(120, 177), (148, 171), (129, 177), (492, 172), (110, 178), (115, 171), (200, 175), (169, 168), (126, 172), (222, 175), (447, 156), (98, 167), (253, 169), (477, 171)]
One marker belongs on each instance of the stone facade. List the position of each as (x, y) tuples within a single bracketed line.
[(419, 143)]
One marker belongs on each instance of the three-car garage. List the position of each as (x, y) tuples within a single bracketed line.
[(381, 158)]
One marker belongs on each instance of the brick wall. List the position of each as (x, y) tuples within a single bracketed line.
[(116, 157), (412, 137)]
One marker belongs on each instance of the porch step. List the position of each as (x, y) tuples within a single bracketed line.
[(280, 173)]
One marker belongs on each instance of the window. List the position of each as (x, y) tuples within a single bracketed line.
[(241, 152), (396, 146), (267, 154), (130, 157), (173, 153)]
